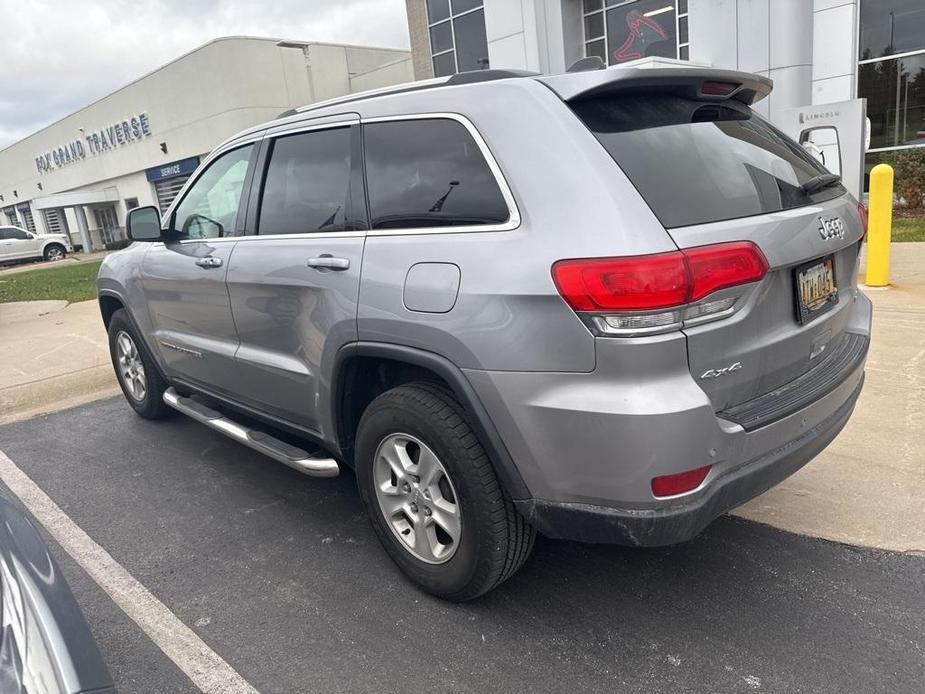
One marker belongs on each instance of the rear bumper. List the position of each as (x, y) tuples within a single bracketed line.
[(678, 523), (588, 445)]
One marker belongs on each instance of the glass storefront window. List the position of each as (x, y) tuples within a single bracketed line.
[(889, 27), (620, 31), (895, 93)]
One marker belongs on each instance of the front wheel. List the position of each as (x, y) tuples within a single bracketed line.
[(433, 497), (54, 251), (141, 382)]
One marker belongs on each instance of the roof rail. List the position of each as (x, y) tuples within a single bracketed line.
[(381, 91), (473, 76)]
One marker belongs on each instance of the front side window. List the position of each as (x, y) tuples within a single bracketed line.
[(307, 183), (695, 163), (429, 173), (210, 208), (12, 234)]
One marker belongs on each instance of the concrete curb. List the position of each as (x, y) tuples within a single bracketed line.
[(26, 400)]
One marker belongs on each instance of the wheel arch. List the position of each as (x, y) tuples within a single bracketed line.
[(109, 303), (363, 370)]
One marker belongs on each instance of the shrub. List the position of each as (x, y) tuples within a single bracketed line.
[(909, 177), (118, 244)]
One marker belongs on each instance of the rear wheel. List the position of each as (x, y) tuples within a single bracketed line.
[(139, 378), (54, 251), (433, 497)]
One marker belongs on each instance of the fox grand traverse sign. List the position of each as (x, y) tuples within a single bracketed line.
[(120, 133)]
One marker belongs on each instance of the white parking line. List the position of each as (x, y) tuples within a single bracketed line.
[(200, 663)]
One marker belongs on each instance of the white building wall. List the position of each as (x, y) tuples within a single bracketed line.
[(835, 50), (773, 38), (538, 35)]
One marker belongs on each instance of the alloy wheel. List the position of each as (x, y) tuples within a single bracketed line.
[(417, 498), (131, 368)]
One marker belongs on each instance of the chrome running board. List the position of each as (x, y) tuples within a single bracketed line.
[(259, 441)]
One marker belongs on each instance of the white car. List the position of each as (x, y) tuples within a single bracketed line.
[(19, 244)]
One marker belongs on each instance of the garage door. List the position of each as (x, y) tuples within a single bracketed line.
[(167, 190)]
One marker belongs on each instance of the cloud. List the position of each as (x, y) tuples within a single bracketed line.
[(56, 57)]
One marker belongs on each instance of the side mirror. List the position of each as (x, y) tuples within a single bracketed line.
[(144, 224)]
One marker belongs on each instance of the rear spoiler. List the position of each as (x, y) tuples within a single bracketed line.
[(701, 84)]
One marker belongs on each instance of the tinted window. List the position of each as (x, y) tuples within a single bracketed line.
[(695, 162), (306, 185), (10, 233), (427, 173), (891, 26), (209, 209), (445, 64), (471, 42), (895, 93)]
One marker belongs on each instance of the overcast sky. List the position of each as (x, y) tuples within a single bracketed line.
[(59, 55)]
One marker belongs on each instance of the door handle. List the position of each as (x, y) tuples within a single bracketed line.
[(329, 262), (209, 262)]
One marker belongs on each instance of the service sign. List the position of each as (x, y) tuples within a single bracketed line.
[(120, 133)]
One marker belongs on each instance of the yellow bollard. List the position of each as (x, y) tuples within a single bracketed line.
[(879, 226)]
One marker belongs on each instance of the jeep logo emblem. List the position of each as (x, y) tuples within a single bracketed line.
[(832, 228)]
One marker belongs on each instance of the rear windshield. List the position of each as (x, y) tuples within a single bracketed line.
[(695, 162)]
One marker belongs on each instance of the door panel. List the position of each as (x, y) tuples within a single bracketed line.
[(294, 286), (292, 319), (184, 279), (189, 309)]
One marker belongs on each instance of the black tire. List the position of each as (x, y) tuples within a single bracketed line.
[(495, 539), (48, 252), (152, 405)]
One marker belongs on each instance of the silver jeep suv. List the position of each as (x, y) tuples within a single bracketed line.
[(607, 306)]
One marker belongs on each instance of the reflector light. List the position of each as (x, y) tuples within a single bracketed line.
[(672, 485)]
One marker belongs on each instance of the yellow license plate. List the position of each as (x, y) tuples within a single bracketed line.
[(816, 289)]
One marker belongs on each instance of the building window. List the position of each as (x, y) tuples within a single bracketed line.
[(891, 75), (130, 204), (10, 213), (25, 214), (457, 36), (618, 31)]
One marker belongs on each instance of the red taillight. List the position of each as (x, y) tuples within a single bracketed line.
[(664, 280), (726, 265), (671, 485), (623, 284), (862, 213)]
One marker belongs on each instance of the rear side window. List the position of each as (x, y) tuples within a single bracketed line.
[(307, 183), (695, 162), (428, 173)]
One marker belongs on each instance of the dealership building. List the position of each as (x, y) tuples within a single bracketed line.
[(138, 145), (816, 51)]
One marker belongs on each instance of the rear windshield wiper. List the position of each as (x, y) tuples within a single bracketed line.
[(817, 183)]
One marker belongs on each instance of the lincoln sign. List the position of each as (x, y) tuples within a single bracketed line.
[(114, 136)]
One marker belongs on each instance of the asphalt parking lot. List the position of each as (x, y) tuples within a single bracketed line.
[(281, 575)]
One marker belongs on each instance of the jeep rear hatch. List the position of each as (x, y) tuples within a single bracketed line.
[(715, 173)]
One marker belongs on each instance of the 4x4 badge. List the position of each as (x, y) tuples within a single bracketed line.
[(716, 373), (831, 228)]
